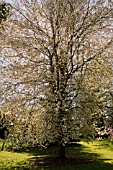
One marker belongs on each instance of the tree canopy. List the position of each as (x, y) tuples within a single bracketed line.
[(56, 52)]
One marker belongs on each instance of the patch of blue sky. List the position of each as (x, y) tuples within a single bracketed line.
[(9, 1), (3, 62)]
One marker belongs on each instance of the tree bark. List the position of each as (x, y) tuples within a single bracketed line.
[(4, 141), (3, 144), (61, 150)]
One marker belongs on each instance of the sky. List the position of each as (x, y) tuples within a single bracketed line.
[(9, 1)]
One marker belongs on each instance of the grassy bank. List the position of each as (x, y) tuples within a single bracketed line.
[(95, 156)]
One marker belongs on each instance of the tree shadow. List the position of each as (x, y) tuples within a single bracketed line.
[(77, 158)]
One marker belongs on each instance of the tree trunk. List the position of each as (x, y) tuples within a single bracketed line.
[(4, 141), (61, 151), (3, 144)]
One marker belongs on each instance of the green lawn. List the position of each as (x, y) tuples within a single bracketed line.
[(101, 154)]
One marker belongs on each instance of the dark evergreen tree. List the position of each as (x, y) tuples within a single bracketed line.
[(4, 11)]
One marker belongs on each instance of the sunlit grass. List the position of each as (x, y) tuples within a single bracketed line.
[(12, 159), (104, 150), (100, 152), (8, 159)]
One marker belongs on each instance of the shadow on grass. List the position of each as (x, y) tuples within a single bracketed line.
[(46, 159)]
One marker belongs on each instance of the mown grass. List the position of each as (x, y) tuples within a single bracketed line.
[(101, 154), (104, 150)]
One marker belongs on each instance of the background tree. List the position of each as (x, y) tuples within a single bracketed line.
[(48, 48), (98, 79)]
